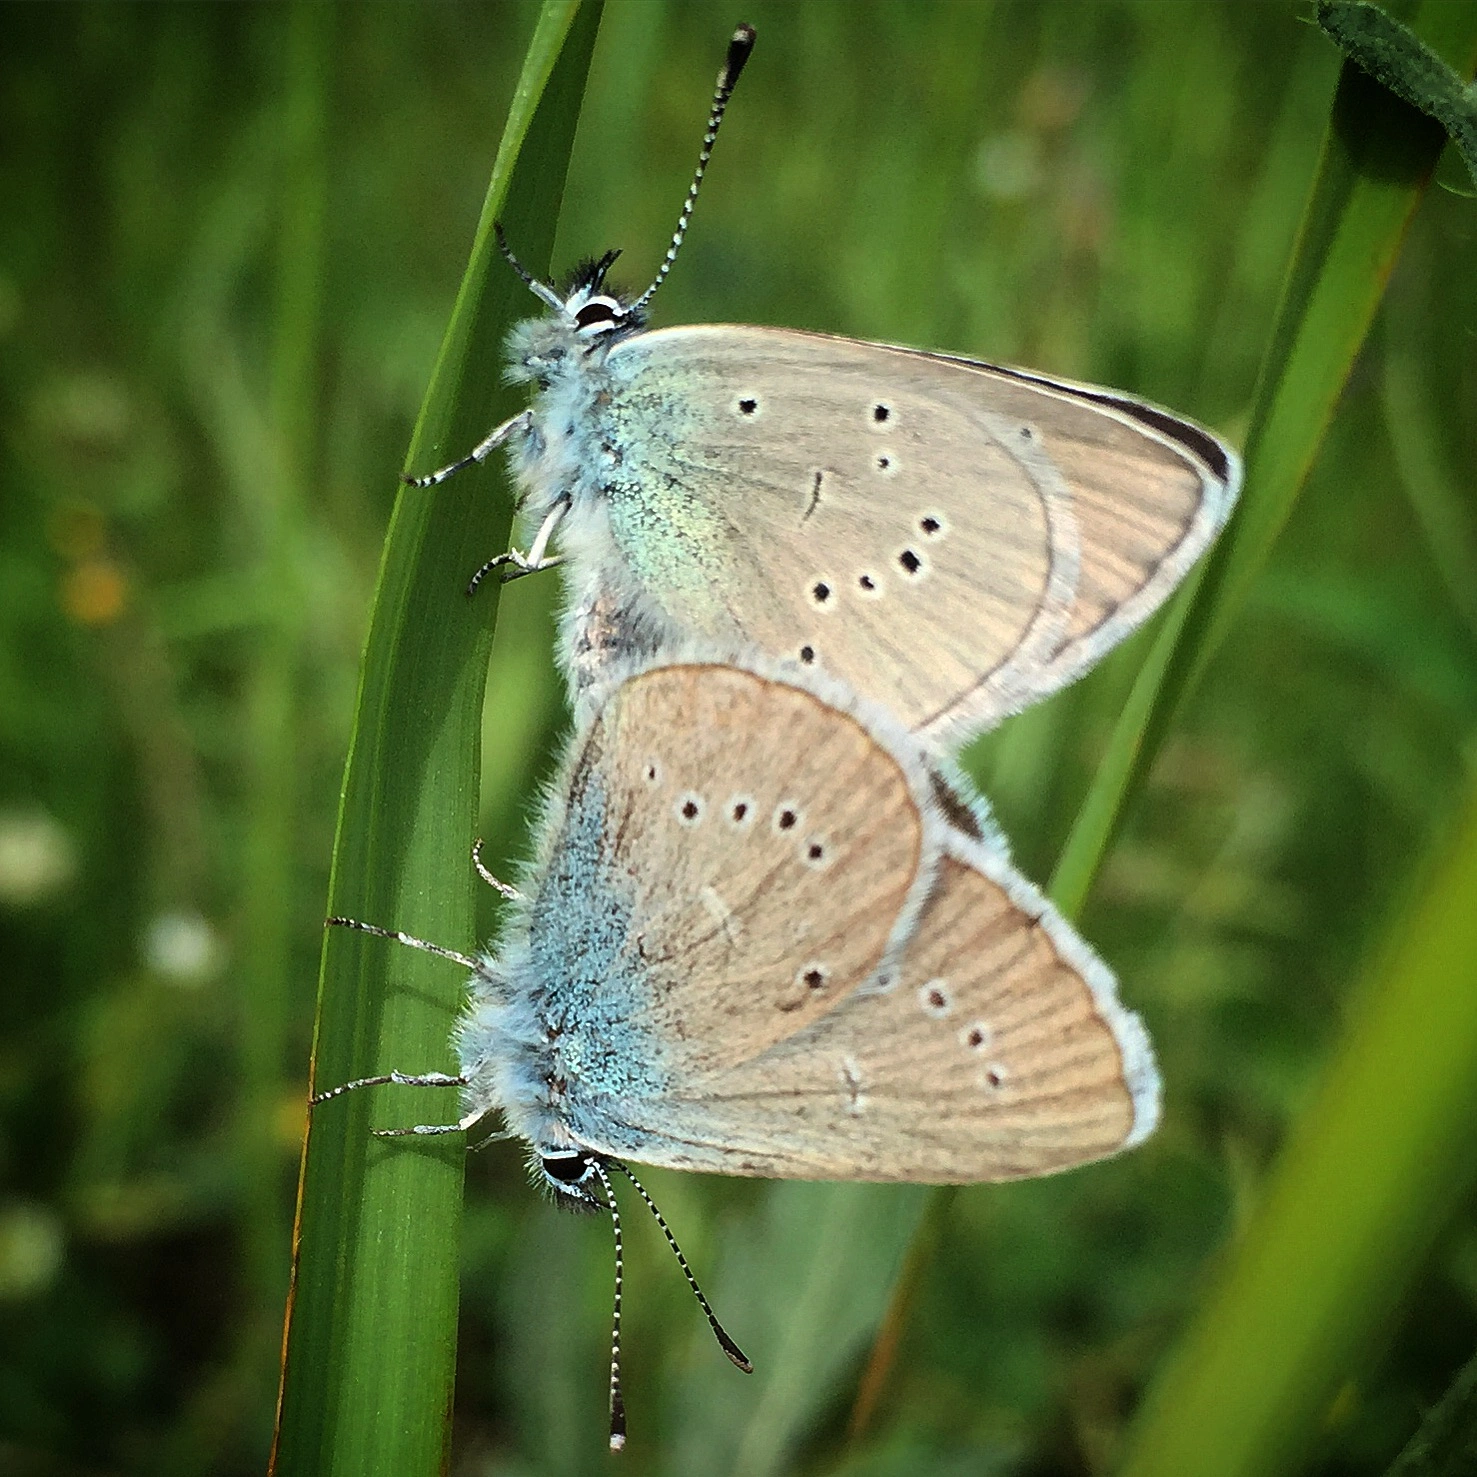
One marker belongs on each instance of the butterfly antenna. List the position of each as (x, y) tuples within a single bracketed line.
[(733, 64), (538, 289), (617, 1402), (409, 940), (725, 1343)]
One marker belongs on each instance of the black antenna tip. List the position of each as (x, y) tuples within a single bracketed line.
[(738, 53), (733, 1351)]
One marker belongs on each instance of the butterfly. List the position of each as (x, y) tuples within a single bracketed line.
[(753, 942), (953, 539)]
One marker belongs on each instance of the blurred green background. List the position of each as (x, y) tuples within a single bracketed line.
[(200, 442)]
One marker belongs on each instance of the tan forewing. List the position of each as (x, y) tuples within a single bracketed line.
[(1061, 515), (1149, 490), (998, 1052), (765, 847), (811, 496)]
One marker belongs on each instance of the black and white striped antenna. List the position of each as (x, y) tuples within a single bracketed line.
[(735, 1354), (733, 64)]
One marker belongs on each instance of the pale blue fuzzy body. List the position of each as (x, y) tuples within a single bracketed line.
[(552, 1035), (600, 431)]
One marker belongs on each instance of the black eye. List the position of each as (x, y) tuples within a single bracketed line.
[(597, 313), (566, 1168)]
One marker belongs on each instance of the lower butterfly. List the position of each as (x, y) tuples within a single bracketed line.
[(758, 939)]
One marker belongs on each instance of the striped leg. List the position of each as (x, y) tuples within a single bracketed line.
[(534, 560), (519, 425)]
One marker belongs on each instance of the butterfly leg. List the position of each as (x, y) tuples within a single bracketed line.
[(408, 1079), (409, 940), (430, 1130), (535, 560), (400, 1079), (518, 425), (495, 883)]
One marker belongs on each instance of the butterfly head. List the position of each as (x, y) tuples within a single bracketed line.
[(591, 312), (584, 321)]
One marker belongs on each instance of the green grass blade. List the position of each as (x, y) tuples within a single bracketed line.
[(1369, 1178), (1378, 155), (1440, 504), (1371, 1172), (369, 1342)]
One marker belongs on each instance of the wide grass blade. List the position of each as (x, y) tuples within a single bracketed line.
[(371, 1319)]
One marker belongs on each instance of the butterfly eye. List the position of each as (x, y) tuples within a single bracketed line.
[(566, 1169), (599, 315)]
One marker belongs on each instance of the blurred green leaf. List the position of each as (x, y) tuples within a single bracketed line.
[(1374, 1169), (368, 1356), (1378, 155), (1446, 1444), (805, 1282)]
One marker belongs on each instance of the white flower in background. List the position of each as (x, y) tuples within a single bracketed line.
[(37, 857), (182, 947)]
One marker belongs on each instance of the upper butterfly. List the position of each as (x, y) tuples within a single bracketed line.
[(953, 539)]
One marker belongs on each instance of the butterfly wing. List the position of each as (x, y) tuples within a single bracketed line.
[(998, 1050), (952, 539), (1150, 490), (734, 855), (759, 946)]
